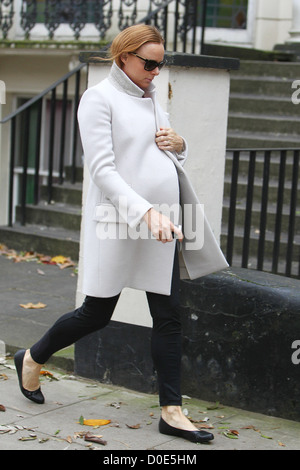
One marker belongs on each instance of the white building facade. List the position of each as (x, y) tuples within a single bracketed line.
[(259, 24)]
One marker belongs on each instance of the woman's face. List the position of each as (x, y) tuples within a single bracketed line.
[(134, 66)]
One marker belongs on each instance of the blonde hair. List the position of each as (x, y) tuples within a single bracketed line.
[(131, 39)]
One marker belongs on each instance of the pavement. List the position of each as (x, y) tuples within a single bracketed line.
[(131, 434)]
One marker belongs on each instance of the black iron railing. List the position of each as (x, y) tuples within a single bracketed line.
[(262, 210), (42, 122), (182, 22)]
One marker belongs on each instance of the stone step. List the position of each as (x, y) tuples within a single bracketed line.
[(256, 216), (268, 247), (265, 86), (61, 215), (242, 188), (41, 239), (269, 105), (283, 70), (261, 111), (263, 123), (78, 174), (50, 228), (66, 193), (268, 140), (259, 165)]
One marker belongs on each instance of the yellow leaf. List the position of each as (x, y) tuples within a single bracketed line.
[(96, 422), (46, 373), (67, 264), (59, 259), (31, 305)]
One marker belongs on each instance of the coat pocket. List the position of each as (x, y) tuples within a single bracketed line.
[(107, 213)]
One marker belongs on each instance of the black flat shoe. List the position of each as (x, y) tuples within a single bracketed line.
[(36, 395), (193, 436)]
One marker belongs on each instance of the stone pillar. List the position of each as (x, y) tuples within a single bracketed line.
[(194, 90)]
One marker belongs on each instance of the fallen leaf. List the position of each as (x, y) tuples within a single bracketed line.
[(59, 259), (34, 306), (3, 376), (13, 429), (4, 429), (92, 438), (266, 437), (204, 420), (250, 427), (46, 260), (46, 373), (79, 434), (115, 404), (2, 408), (281, 444), (28, 438), (45, 439), (69, 439), (81, 419), (204, 426), (68, 264), (133, 426), (231, 434), (95, 422), (17, 257), (62, 261)]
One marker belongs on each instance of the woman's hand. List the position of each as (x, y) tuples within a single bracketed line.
[(167, 139), (161, 226)]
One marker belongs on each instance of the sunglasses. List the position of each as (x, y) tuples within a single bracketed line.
[(150, 64)]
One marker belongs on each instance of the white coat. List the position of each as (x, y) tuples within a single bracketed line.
[(129, 174)]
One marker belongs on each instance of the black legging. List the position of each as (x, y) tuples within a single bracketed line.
[(95, 313)]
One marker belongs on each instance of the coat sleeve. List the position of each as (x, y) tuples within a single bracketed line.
[(182, 156), (94, 118)]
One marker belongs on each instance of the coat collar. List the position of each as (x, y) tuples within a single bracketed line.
[(123, 83)]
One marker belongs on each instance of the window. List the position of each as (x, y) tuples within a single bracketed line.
[(226, 14)]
